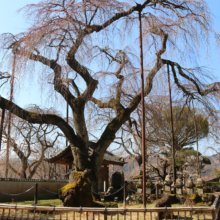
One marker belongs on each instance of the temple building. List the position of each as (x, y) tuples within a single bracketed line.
[(65, 157)]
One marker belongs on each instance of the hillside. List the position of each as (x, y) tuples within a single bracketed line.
[(207, 171), (131, 168)]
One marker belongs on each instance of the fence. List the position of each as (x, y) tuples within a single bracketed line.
[(35, 193), (43, 212), (22, 189)]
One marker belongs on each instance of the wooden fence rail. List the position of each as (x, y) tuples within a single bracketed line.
[(44, 212)]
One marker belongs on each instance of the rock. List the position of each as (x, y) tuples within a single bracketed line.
[(208, 198), (192, 200), (165, 201), (207, 189), (117, 180)]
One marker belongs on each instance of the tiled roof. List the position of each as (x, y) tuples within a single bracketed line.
[(65, 156)]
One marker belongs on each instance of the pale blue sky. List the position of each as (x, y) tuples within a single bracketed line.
[(14, 23)]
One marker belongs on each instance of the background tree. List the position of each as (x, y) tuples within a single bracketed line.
[(75, 37), (29, 144), (216, 172), (50, 171), (160, 163), (158, 130)]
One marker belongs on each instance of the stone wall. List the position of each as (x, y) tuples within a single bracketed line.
[(17, 186)]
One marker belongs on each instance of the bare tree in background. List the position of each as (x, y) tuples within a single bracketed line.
[(49, 170), (158, 138), (30, 143)]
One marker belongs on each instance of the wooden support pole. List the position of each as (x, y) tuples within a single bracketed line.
[(125, 192), (67, 109), (66, 173), (197, 144), (144, 154), (2, 124), (157, 191), (55, 167), (172, 131), (35, 193), (9, 118)]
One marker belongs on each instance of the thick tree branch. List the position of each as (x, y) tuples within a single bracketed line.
[(58, 85), (15, 170), (75, 65), (214, 87), (37, 118), (115, 124)]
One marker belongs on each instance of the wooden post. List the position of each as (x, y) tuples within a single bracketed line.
[(144, 153), (197, 145), (105, 214), (36, 193), (125, 192), (70, 166), (55, 169), (213, 214), (157, 191), (172, 131), (66, 177), (9, 118), (67, 109), (2, 124)]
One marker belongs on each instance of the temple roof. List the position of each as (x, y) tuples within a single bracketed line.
[(66, 157)]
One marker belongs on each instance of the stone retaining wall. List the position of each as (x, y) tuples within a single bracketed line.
[(18, 186)]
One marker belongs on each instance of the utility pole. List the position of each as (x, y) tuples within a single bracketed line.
[(9, 117), (172, 132), (143, 110)]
